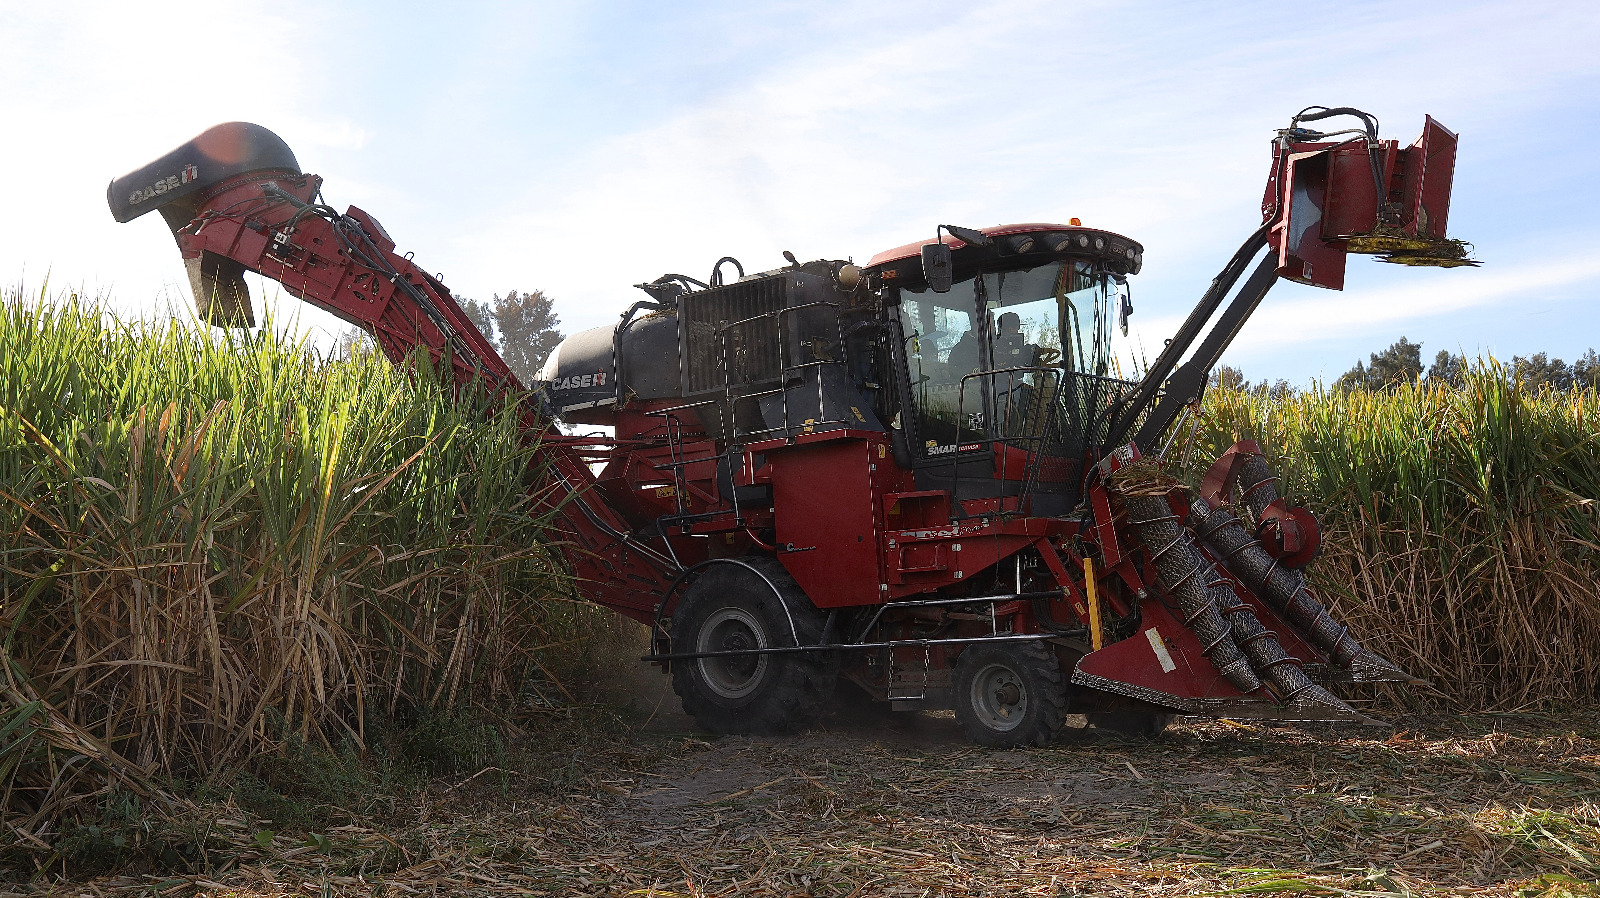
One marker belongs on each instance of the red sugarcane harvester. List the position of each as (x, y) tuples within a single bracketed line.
[(915, 478)]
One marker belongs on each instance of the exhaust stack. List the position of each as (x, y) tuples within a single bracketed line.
[(177, 184)]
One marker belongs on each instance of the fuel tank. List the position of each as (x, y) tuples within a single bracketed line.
[(581, 380)]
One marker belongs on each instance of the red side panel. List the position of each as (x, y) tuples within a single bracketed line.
[(825, 503), (1352, 204), (1303, 256), (1161, 663), (1430, 173)]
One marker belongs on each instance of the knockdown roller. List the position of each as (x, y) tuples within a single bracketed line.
[(917, 475)]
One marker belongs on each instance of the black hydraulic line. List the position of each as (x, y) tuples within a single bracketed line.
[(1317, 113), (617, 376), (656, 559), (1127, 415), (852, 646), (716, 270), (1368, 119), (356, 242), (1185, 385)]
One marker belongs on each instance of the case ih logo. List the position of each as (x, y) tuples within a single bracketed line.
[(579, 381), (169, 183)]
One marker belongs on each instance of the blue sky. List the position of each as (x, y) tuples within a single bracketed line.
[(585, 147)]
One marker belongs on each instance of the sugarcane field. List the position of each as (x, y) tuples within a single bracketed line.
[(777, 536)]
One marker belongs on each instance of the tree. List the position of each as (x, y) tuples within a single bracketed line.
[(482, 315), (1539, 370), (522, 327), (1586, 371), (528, 329), (1448, 369), (1277, 392), (1228, 378), (1354, 379), (353, 342), (1400, 363)]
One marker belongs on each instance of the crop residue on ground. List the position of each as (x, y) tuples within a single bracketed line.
[(1494, 805)]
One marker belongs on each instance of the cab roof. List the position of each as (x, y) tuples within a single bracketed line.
[(1015, 246)]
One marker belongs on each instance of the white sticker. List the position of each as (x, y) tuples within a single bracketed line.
[(1162, 655)]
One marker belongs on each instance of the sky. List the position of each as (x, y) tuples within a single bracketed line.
[(581, 148)]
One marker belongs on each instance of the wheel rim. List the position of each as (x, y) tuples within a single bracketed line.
[(729, 630), (998, 698)]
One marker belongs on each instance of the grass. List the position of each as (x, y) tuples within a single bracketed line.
[(1462, 533), (216, 547)]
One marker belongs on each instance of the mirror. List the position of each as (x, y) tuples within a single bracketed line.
[(1124, 303), (968, 235), (937, 268)]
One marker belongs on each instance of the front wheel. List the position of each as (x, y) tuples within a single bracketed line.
[(734, 607), (1010, 695)]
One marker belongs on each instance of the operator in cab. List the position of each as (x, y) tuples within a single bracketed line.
[(963, 357), (1011, 349)]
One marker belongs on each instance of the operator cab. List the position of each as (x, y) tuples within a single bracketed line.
[(1009, 373)]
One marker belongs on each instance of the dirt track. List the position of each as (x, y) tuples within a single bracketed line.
[(902, 806)]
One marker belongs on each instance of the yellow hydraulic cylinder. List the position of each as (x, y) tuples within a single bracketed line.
[(1095, 639)]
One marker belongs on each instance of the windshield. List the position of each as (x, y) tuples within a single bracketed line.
[(1027, 327)]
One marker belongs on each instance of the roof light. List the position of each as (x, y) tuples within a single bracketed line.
[(1075, 222), (1022, 243)]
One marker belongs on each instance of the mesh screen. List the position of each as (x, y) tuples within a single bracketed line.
[(752, 347), (1091, 406)]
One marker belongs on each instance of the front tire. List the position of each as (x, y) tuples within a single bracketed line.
[(733, 607), (1010, 695)]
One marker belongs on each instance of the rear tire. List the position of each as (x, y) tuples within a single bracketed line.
[(1010, 695), (732, 607), (1132, 724)]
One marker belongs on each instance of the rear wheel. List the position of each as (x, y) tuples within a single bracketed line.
[(732, 607), (1010, 695), (1132, 724)]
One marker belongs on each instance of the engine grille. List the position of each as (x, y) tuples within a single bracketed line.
[(753, 354)]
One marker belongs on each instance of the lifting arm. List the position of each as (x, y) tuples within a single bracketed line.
[(1127, 413)]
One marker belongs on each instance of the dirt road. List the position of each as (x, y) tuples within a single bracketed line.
[(900, 805)]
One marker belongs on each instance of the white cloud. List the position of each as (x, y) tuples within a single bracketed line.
[(1149, 119), (1323, 316), (1014, 111)]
